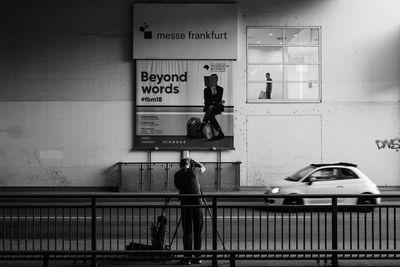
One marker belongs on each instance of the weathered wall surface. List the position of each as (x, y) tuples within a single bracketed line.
[(360, 92), (67, 86)]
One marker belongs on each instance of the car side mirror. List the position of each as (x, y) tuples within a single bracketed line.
[(311, 180)]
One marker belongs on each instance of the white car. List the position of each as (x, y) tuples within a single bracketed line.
[(336, 178)]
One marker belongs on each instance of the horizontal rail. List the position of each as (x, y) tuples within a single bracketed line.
[(106, 195), (197, 252), (176, 162)]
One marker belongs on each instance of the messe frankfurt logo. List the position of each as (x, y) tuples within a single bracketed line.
[(189, 35), (146, 34)]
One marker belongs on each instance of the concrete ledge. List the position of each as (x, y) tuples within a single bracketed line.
[(59, 188), (389, 188), (253, 188), (242, 189)]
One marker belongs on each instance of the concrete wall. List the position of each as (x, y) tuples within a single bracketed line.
[(360, 92), (66, 87), (66, 90)]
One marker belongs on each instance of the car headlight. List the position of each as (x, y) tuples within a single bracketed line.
[(275, 190)]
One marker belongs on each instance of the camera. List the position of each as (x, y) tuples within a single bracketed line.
[(194, 164)]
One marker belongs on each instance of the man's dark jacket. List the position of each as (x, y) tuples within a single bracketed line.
[(187, 182)]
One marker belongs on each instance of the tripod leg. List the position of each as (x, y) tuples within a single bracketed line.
[(176, 231), (209, 212)]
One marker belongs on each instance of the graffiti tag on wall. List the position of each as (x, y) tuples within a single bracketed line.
[(389, 144)]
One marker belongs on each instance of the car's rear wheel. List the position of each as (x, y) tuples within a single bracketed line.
[(366, 201)]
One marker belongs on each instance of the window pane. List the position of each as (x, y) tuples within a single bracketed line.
[(264, 54), (302, 91), (325, 174), (254, 90), (301, 55), (297, 36), (348, 174), (301, 73), (256, 73), (260, 36)]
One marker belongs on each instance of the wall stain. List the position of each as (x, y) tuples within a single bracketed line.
[(4, 181), (59, 177)]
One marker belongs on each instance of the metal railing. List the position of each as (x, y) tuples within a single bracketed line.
[(139, 176), (93, 227)]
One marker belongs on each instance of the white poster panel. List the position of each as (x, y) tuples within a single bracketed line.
[(185, 31), (169, 93)]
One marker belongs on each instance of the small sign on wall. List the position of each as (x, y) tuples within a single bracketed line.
[(185, 31)]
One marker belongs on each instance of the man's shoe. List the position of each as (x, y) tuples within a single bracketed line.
[(196, 261), (184, 262)]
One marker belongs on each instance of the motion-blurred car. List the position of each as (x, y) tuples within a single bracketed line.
[(336, 178)]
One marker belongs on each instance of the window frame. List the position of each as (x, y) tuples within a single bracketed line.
[(285, 47)]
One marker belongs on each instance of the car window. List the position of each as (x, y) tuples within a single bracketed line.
[(348, 174), (327, 174), (300, 174)]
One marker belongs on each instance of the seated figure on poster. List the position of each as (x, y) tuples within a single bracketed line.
[(213, 105)]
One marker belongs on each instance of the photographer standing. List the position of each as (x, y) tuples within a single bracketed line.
[(187, 182)]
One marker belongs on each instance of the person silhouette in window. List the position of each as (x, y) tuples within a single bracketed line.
[(268, 85)]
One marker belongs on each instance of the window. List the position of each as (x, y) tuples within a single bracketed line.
[(328, 174), (291, 56), (348, 174)]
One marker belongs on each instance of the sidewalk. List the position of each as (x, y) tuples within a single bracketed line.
[(221, 263)]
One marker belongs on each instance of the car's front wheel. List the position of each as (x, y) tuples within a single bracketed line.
[(293, 201)]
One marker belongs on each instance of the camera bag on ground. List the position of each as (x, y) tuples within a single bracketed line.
[(158, 232), (157, 236)]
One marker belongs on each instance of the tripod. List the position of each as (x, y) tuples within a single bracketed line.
[(180, 221)]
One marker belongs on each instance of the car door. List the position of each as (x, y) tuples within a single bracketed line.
[(325, 181), (351, 184)]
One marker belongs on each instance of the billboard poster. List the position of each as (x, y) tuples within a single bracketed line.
[(184, 105)]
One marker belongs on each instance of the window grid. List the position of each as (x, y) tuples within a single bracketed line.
[(285, 81)]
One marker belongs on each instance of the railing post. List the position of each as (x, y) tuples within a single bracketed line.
[(214, 230), (45, 260), (237, 174), (218, 183), (232, 260), (94, 231), (119, 175), (167, 169), (149, 169), (141, 177), (335, 262)]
